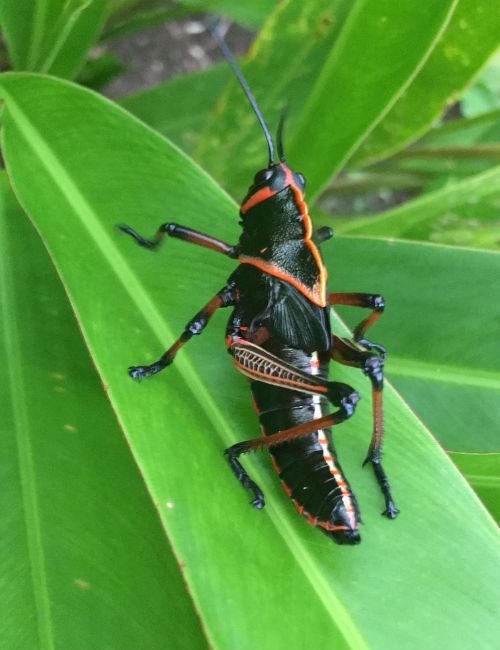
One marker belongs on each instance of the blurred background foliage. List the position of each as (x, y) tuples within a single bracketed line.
[(394, 118)]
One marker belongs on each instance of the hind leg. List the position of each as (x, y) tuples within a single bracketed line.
[(347, 399), (261, 365), (258, 500), (372, 365)]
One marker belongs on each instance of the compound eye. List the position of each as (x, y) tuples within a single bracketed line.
[(301, 179), (262, 176)]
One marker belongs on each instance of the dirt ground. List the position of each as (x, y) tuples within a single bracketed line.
[(157, 53)]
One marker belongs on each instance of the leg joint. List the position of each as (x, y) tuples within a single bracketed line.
[(235, 451), (198, 324), (349, 403), (169, 228), (343, 396), (374, 369), (377, 302), (227, 295)]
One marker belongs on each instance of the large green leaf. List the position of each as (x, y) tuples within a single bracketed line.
[(449, 375), (380, 50), (84, 562), (51, 35), (160, 106), (466, 45), (441, 327), (79, 165)]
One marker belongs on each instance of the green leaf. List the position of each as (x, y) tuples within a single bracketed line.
[(474, 225), (181, 108), (84, 562), (243, 568), (466, 131), (51, 36), (347, 109), (403, 220), (441, 328), (483, 473), (99, 71), (463, 212), (466, 45)]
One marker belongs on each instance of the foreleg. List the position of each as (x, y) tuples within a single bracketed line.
[(186, 234)]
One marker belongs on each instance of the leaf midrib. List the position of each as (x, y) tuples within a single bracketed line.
[(138, 294), (19, 404)]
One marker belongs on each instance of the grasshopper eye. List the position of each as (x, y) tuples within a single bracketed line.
[(301, 179), (262, 176)]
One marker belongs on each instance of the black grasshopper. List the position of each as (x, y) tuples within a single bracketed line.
[(279, 335)]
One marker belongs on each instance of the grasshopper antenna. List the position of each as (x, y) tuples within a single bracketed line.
[(212, 27)]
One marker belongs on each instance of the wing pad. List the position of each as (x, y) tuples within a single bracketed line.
[(260, 365)]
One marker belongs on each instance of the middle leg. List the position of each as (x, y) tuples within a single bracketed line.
[(196, 325), (372, 301)]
